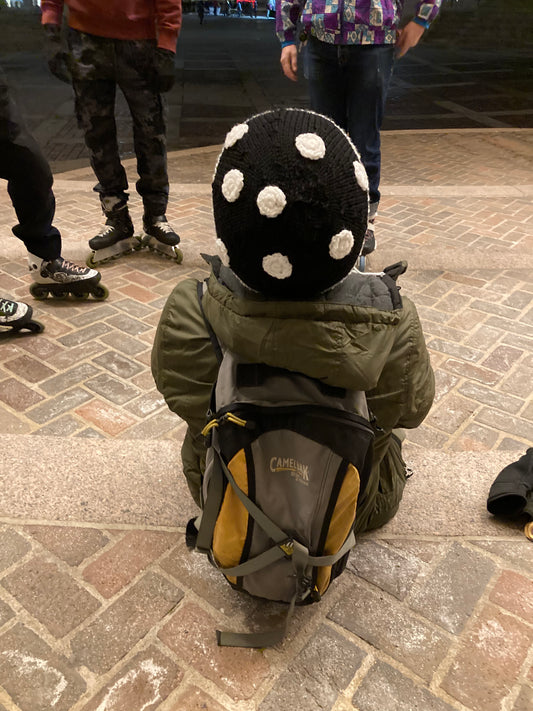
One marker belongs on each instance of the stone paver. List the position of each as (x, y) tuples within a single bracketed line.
[(110, 635), (322, 670), (489, 660), (34, 676), (387, 689), (143, 683), (190, 635), (449, 593), (386, 624), (50, 595), (115, 568)]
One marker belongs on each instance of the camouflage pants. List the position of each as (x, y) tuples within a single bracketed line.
[(98, 66)]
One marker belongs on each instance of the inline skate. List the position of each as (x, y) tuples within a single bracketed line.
[(159, 237), (17, 316), (60, 278), (115, 238)]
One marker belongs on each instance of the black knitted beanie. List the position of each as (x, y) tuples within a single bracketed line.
[(290, 200)]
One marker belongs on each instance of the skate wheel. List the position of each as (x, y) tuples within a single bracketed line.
[(178, 255), (90, 261), (81, 296), (57, 295), (38, 291), (100, 292), (138, 243), (528, 530), (35, 327)]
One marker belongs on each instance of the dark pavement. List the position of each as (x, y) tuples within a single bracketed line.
[(228, 68)]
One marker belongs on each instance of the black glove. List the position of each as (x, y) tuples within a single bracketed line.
[(56, 55), (165, 69)]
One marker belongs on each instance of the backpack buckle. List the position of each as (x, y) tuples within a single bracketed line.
[(287, 547)]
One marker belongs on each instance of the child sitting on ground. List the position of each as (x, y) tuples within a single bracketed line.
[(290, 200)]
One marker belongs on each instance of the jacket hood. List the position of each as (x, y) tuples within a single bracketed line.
[(342, 338)]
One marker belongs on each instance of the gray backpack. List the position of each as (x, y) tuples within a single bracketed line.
[(288, 458)]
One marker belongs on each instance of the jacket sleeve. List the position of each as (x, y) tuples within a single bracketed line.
[(52, 12), (287, 15), (427, 10), (184, 364), (184, 368), (406, 386), (168, 19)]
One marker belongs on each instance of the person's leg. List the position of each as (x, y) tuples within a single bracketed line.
[(136, 78), (93, 79), (29, 184), (324, 75), (387, 482), (95, 109), (367, 72)]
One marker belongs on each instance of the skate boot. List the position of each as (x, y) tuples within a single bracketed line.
[(160, 237), (59, 278), (17, 315), (114, 239)]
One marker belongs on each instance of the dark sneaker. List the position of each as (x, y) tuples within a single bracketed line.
[(191, 534), (369, 242), (159, 228)]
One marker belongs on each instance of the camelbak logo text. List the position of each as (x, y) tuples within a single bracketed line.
[(285, 464)]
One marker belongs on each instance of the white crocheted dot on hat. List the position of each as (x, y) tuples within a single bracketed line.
[(232, 184), (360, 174), (310, 145), (236, 133), (222, 252), (271, 201), (341, 244), (277, 265)]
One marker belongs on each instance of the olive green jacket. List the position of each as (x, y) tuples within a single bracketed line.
[(358, 335)]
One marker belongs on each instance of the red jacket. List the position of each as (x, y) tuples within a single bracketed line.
[(120, 19)]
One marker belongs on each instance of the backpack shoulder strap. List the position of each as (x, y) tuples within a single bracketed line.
[(200, 289), (389, 277)]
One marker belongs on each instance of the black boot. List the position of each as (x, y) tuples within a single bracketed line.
[(118, 226), (511, 494), (158, 227)]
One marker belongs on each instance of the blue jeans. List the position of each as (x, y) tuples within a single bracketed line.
[(349, 84)]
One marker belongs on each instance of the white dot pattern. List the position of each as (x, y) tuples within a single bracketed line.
[(277, 265), (236, 133), (271, 201), (341, 244), (360, 174), (232, 184), (310, 145), (223, 252)]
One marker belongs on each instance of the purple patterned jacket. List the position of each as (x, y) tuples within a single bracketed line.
[(347, 21)]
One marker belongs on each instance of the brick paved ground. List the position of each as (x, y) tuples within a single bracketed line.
[(102, 612)]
